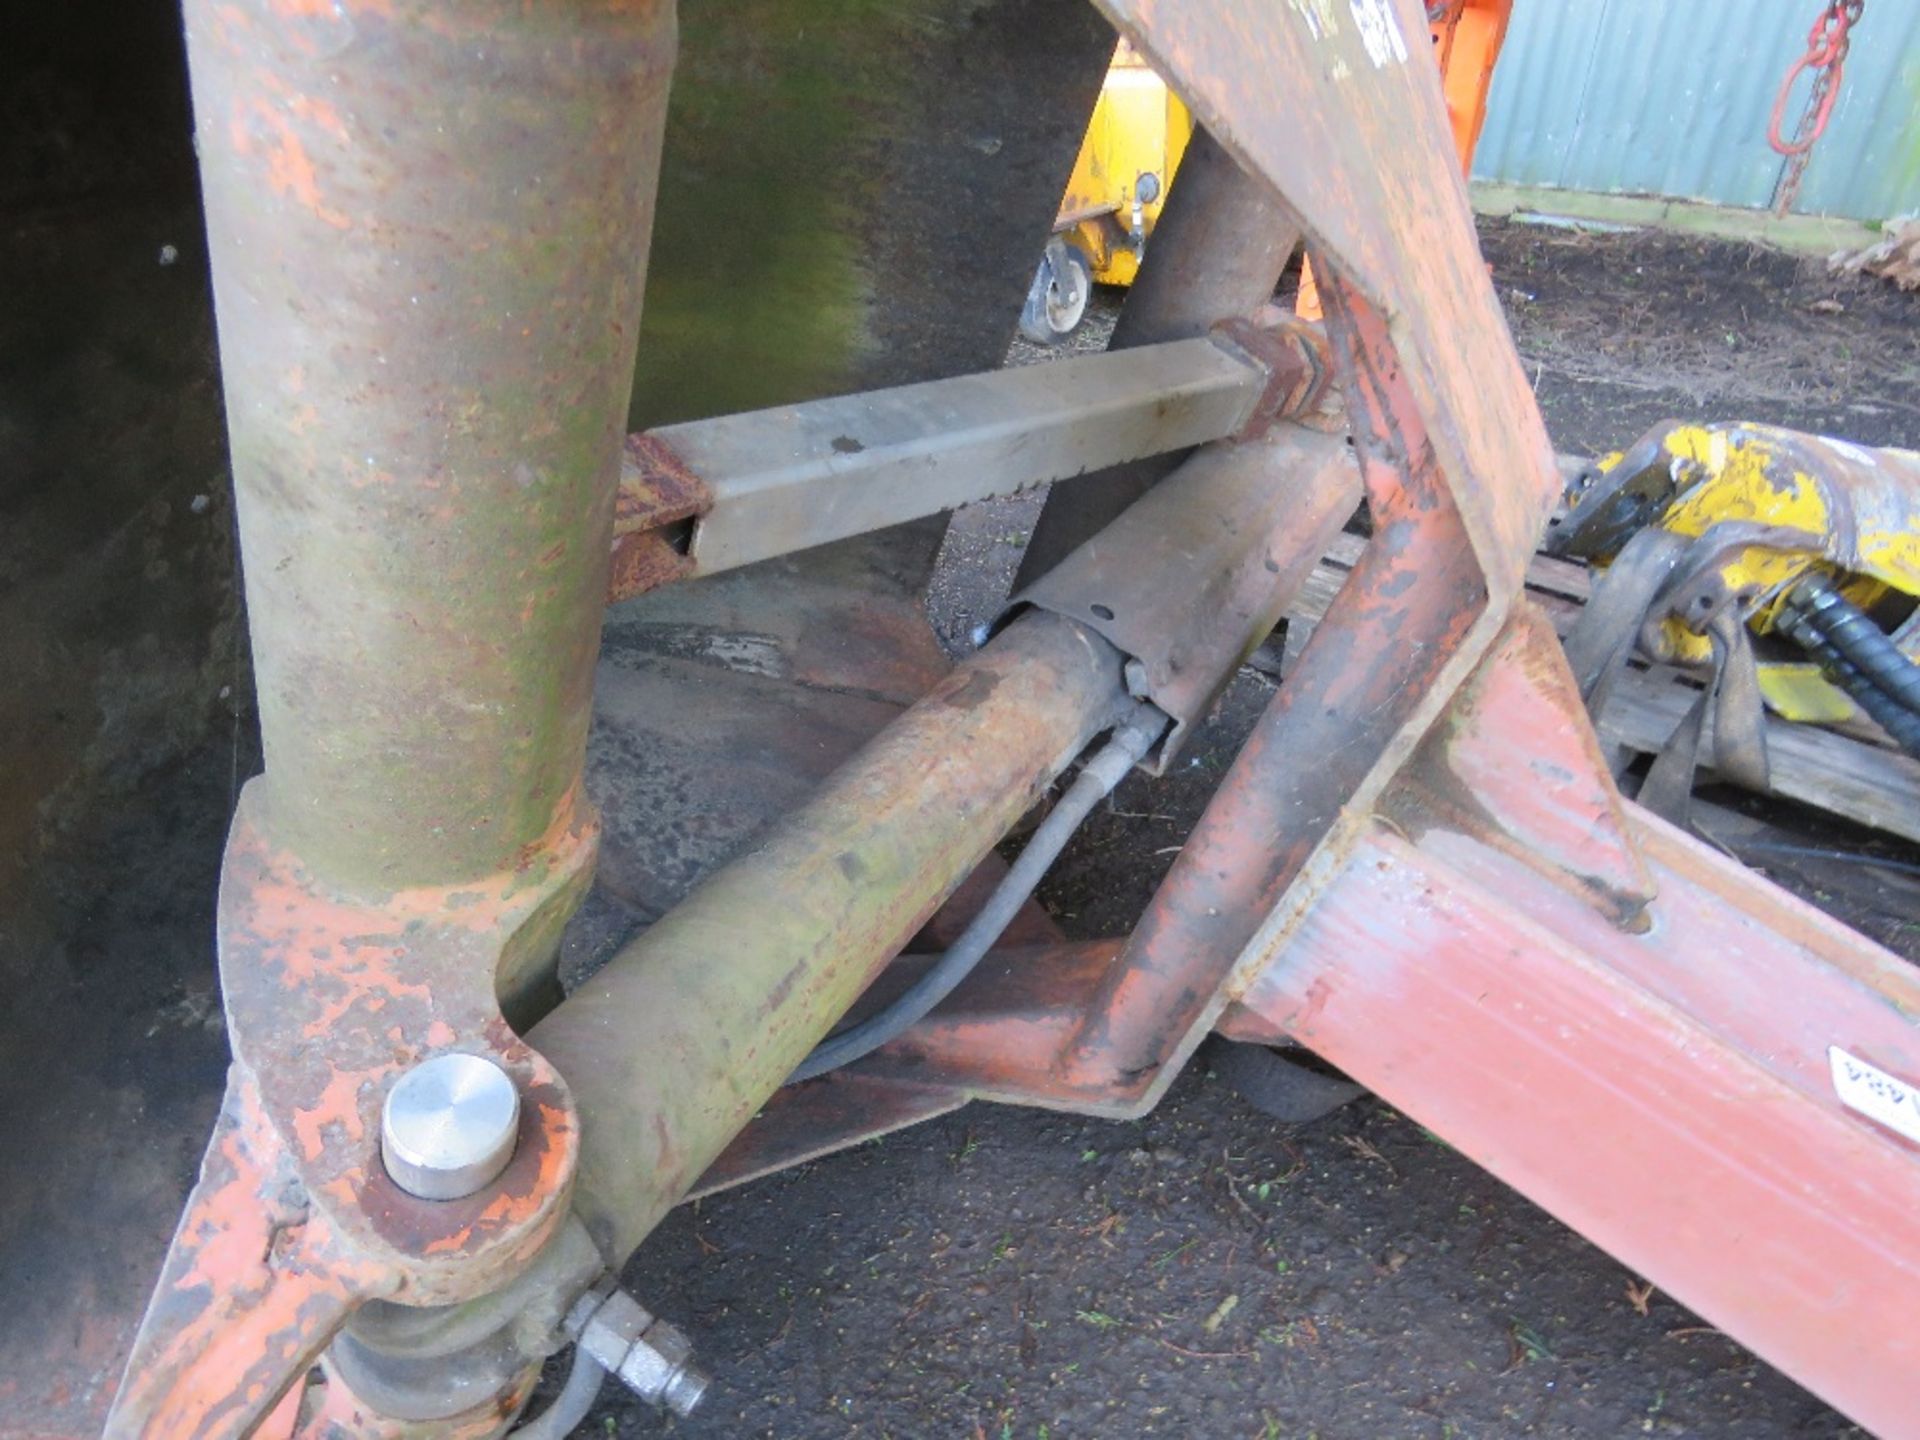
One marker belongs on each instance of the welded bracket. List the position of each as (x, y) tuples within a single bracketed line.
[(295, 1223)]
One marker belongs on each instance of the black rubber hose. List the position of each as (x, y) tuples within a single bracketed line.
[(1893, 717), (1897, 719), (1132, 739), (1867, 647)]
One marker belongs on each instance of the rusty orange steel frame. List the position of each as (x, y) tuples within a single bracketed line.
[(1418, 865)]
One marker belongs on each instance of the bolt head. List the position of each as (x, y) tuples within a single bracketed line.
[(449, 1125)]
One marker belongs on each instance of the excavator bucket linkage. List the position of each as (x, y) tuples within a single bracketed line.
[(429, 226)]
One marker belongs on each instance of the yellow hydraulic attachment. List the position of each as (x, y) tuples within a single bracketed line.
[(1740, 547)]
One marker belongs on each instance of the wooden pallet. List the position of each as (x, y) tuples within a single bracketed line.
[(1855, 774)]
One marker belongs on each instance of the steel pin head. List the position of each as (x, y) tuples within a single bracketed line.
[(448, 1126)]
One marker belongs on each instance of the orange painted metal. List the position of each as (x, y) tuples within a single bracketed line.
[(1626, 1026), (1466, 40), (1330, 109), (1663, 1087), (1515, 760), (1621, 1024), (1002, 1036), (1403, 632), (1335, 107), (294, 1222), (252, 1276)]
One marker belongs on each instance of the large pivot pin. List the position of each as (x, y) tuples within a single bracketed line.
[(448, 1126)]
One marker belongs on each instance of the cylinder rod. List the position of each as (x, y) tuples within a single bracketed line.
[(679, 1040), (429, 229)]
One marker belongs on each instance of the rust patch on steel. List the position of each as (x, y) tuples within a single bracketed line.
[(256, 1283), (294, 1222), (656, 487), (657, 492), (329, 998), (644, 560), (1298, 363)]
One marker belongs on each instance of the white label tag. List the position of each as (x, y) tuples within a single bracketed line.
[(1379, 31), (1319, 16), (1875, 1094)]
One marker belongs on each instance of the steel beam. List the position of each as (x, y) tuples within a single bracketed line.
[(1183, 585), (1664, 1083), (1339, 109), (1406, 630), (428, 237), (1701, 1074), (712, 495), (1670, 1099)]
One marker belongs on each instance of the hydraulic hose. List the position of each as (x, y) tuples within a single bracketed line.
[(1858, 656), (569, 1408), (1851, 631), (1893, 717), (1132, 738)]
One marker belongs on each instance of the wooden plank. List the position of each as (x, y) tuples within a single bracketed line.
[(1868, 783), (1877, 788)]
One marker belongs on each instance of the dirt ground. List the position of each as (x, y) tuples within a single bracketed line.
[(1203, 1273)]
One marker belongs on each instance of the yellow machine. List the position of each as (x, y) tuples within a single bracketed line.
[(1134, 141), (1133, 145), (1139, 132), (1787, 563)]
